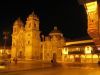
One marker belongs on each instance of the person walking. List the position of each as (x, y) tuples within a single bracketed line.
[(15, 60)]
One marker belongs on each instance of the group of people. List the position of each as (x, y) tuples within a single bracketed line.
[(14, 59)]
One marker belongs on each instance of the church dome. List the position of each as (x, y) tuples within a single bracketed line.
[(55, 31)]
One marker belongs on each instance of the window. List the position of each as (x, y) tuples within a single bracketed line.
[(29, 25), (20, 54), (34, 25), (28, 34), (28, 42)]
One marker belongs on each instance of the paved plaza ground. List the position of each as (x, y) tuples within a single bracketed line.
[(33, 65), (24, 65)]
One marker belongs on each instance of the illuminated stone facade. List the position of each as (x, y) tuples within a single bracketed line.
[(18, 39), (80, 51), (27, 44), (26, 40), (52, 44), (93, 21)]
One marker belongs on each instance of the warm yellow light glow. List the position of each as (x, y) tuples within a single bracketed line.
[(7, 52), (71, 56), (88, 56), (78, 42), (77, 56), (82, 56), (95, 56), (65, 51), (0, 51), (2, 67), (88, 49), (92, 6), (99, 56)]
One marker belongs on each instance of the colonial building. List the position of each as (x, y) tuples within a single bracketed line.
[(83, 51), (26, 40), (93, 16), (27, 44), (52, 44)]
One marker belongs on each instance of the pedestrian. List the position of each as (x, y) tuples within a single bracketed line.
[(15, 60), (9, 57)]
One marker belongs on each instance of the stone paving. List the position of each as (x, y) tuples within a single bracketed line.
[(33, 65), (25, 65)]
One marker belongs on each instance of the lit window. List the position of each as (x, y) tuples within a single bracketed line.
[(88, 49), (65, 51)]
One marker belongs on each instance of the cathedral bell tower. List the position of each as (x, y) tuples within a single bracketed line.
[(32, 37), (18, 39)]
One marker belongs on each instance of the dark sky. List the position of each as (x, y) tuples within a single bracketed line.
[(68, 15)]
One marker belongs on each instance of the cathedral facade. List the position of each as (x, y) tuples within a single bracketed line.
[(27, 44), (26, 40)]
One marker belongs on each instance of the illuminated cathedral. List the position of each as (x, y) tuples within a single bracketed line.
[(27, 43), (26, 40)]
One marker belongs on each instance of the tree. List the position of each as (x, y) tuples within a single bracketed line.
[(5, 34)]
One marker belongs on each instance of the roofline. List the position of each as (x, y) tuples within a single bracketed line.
[(79, 42)]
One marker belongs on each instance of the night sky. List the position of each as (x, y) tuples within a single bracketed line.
[(67, 15)]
